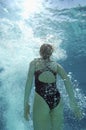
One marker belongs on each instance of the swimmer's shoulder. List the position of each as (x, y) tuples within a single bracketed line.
[(57, 67), (34, 61)]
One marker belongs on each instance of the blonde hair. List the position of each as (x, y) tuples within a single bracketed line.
[(46, 51)]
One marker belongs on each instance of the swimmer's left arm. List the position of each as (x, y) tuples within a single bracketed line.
[(69, 90), (28, 87)]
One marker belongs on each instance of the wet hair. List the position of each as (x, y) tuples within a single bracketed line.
[(46, 51)]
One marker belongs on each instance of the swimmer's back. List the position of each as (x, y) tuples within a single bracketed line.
[(48, 68)]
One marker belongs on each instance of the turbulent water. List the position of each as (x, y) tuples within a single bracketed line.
[(22, 30)]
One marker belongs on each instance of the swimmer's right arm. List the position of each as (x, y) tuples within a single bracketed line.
[(69, 90), (28, 87), (67, 82)]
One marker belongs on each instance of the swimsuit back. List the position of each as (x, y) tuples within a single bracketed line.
[(48, 91)]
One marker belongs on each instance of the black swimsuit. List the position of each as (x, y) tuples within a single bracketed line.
[(48, 91)]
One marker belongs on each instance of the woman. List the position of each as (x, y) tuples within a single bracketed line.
[(47, 107)]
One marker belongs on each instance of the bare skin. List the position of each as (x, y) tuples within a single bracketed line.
[(48, 119)]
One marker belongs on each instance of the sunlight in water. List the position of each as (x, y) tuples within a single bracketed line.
[(30, 6)]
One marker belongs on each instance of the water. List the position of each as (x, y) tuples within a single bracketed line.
[(23, 29)]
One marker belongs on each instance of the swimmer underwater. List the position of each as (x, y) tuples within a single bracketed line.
[(48, 105)]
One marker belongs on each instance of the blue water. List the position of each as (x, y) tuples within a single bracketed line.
[(22, 31)]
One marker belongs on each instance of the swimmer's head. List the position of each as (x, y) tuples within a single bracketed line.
[(46, 51)]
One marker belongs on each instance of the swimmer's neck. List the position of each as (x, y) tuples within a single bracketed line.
[(45, 60)]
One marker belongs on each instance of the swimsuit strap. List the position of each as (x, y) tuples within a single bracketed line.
[(47, 68), (51, 70)]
